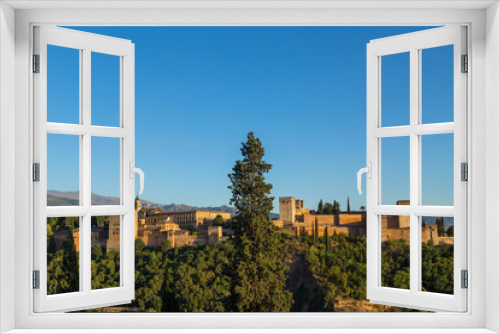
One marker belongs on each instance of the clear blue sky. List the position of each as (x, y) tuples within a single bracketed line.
[(302, 90)]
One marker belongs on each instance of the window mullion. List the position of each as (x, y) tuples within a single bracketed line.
[(85, 177), (414, 169), (420, 126)]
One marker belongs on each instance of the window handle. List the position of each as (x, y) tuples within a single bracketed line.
[(134, 170), (368, 171)]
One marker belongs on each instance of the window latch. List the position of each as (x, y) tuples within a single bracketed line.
[(368, 171), (139, 171)]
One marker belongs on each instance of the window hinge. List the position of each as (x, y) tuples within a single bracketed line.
[(464, 171), (36, 279), (465, 64), (36, 63), (36, 172), (465, 279)]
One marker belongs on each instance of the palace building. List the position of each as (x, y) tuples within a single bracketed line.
[(182, 228), (153, 226), (297, 220)]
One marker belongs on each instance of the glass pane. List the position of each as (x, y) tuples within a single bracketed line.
[(105, 90), (63, 262), (63, 170), (395, 171), (105, 171), (437, 84), (437, 169), (437, 254), (63, 85), (396, 251), (105, 252), (395, 89)]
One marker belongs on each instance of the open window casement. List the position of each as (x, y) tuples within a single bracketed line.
[(413, 215), (74, 289)]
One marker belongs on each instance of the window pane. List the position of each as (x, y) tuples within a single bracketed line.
[(437, 254), (437, 84), (396, 251), (105, 90), (395, 90), (63, 263), (63, 170), (63, 85), (105, 171), (395, 171), (105, 252), (437, 169)]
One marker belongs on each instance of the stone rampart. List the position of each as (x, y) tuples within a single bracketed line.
[(350, 218)]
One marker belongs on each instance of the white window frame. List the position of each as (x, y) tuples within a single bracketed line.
[(86, 44), (482, 19), (414, 43)]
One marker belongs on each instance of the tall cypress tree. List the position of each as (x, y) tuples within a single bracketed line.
[(450, 231), (327, 240), (70, 263), (348, 205), (440, 226), (259, 283), (320, 207), (336, 207)]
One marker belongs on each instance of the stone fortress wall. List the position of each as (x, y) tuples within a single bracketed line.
[(298, 220), (154, 225)]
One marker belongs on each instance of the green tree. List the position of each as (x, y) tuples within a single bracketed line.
[(70, 263), (396, 264), (336, 207), (139, 245), (348, 205), (440, 226), (218, 221), (437, 268), (328, 209), (341, 271), (328, 242), (320, 207), (96, 252), (97, 221), (259, 274), (450, 231), (51, 243), (166, 245)]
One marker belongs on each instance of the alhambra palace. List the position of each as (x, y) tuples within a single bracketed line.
[(154, 225), (194, 227), (297, 220)]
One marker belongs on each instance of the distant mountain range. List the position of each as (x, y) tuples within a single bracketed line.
[(58, 198)]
